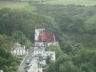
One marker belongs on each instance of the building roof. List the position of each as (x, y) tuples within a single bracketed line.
[(45, 36), (18, 46)]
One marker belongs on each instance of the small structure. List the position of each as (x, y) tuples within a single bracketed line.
[(41, 52), (42, 44), (42, 63), (38, 51), (39, 44), (18, 49), (50, 54), (44, 37)]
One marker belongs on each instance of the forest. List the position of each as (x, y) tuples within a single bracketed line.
[(73, 25), (75, 28)]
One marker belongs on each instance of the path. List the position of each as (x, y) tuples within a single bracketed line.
[(23, 65)]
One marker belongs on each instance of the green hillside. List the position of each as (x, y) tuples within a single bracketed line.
[(68, 2), (73, 23), (22, 4), (9, 4)]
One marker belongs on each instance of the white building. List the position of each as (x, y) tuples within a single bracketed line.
[(41, 52), (52, 44), (39, 44), (42, 44), (19, 49), (37, 32), (38, 51), (42, 63), (50, 54)]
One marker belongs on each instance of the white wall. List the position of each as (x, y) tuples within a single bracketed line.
[(39, 44), (37, 32), (19, 52)]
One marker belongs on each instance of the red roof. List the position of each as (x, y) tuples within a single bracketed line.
[(47, 36)]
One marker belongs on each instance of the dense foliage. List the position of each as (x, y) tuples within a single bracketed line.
[(7, 61), (24, 21), (75, 29), (73, 25), (73, 22), (18, 26)]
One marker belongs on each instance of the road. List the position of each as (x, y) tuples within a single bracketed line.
[(23, 65)]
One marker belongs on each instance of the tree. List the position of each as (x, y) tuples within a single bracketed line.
[(7, 61)]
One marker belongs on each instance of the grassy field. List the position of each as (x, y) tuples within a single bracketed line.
[(8, 4), (86, 3)]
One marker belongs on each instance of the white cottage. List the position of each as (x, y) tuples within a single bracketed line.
[(19, 49), (39, 44), (41, 52), (38, 51), (50, 54)]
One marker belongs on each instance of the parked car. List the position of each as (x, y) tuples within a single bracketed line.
[(27, 61)]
